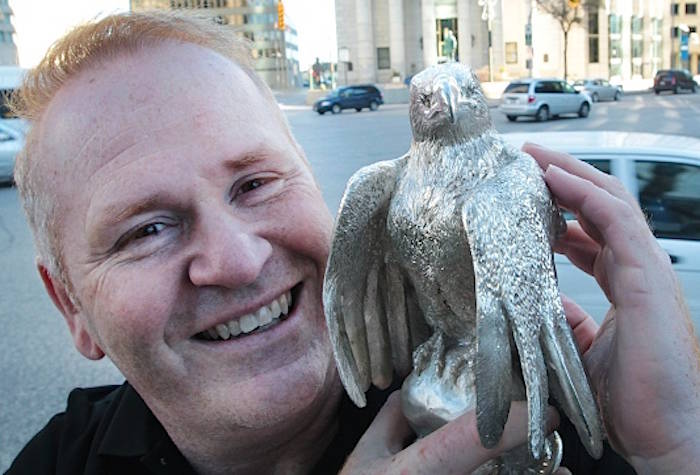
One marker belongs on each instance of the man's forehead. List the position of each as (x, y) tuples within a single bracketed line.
[(114, 99)]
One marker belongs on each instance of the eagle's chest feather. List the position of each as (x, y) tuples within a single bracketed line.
[(424, 224)]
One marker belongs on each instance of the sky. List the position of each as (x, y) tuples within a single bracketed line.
[(38, 23)]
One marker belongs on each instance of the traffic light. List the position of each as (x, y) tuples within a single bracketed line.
[(280, 15)]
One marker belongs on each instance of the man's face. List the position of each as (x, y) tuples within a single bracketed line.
[(183, 206)]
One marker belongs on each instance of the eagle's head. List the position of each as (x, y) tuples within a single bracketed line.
[(446, 103)]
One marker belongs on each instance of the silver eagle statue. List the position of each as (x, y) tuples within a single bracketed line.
[(441, 272)]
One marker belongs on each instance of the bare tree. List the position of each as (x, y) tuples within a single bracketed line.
[(567, 13)]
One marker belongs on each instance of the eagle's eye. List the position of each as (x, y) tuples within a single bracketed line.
[(425, 100)]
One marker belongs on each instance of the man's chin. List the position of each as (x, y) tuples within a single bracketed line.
[(298, 390)]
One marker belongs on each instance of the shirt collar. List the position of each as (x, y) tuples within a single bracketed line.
[(134, 432)]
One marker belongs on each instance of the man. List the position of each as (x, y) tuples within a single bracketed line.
[(180, 232)]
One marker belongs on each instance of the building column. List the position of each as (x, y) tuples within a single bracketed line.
[(427, 8), (397, 43), (498, 59), (625, 9), (366, 67), (464, 33)]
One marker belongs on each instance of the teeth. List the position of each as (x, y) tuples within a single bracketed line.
[(223, 332), (234, 327), (265, 315), (284, 302), (249, 323)]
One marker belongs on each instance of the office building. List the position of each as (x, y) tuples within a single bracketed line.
[(275, 50), (388, 40)]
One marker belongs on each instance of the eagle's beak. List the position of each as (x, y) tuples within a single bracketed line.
[(445, 94)]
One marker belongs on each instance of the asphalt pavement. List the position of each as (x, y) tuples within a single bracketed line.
[(39, 363)]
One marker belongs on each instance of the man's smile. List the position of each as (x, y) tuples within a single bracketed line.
[(262, 319)]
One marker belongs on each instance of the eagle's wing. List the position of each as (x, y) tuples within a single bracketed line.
[(372, 318), (511, 221)]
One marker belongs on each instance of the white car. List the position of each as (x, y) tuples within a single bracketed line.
[(599, 89), (11, 142), (542, 99), (663, 173)]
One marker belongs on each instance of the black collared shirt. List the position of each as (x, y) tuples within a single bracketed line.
[(110, 430)]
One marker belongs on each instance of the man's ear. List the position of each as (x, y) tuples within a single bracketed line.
[(75, 320)]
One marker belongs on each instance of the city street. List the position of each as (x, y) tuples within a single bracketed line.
[(39, 362)]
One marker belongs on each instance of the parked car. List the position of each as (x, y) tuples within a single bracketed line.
[(663, 173), (674, 80), (11, 142), (542, 99), (599, 89), (350, 97)]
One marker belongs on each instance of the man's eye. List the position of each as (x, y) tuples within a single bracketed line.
[(148, 230), (151, 229), (250, 185)]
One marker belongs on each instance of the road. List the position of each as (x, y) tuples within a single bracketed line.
[(39, 363)]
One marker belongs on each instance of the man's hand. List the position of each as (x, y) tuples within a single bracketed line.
[(454, 448), (643, 362)]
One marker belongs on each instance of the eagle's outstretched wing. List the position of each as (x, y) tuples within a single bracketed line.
[(511, 221), (372, 319)]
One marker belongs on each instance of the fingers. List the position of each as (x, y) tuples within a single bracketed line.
[(614, 222), (546, 157), (582, 325), (387, 435), (456, 447), (578, 246)]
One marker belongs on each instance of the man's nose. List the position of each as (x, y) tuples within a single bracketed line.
[(229, 252)]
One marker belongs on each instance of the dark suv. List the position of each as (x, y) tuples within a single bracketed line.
[(350, 97), (674, 80)]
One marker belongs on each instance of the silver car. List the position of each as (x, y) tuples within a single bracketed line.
[(11, 142), (542, 99), (599, 89), (663, 172)]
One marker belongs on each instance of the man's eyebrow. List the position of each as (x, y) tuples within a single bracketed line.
[(248, 159), (116, 213)]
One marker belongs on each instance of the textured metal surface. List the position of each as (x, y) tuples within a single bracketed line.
[(455, 235)]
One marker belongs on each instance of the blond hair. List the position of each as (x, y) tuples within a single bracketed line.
[(86, 46)]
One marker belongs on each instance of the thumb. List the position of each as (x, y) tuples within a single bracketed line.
[(388, 434), (456, 447)]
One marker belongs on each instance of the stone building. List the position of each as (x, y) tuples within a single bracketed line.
[(388, 40), (8, 50), (275, 51), (685, 43)]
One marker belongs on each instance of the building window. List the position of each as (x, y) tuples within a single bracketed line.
[(593, 51), (593, 37), (674, 9), (545, 58), (692, 29), (593, 22), (691, 8), (674, 32), (383, 58)]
